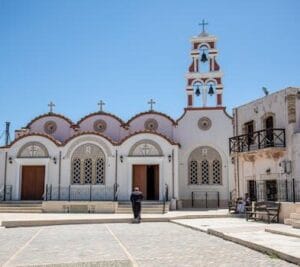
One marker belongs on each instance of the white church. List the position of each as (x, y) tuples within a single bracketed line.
[(195, 160), (102, 157)]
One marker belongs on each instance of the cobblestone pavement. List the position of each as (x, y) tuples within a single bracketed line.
[(145, 244)]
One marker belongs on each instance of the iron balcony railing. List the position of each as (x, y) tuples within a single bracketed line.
[(257, 140)]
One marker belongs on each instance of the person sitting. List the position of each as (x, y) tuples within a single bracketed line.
[(240, 207)]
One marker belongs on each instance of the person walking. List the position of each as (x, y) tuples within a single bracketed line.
[(136, 199)]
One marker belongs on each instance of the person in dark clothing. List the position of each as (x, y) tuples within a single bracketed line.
[(136, 199)]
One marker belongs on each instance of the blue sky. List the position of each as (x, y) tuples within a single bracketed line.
[(76, 52)]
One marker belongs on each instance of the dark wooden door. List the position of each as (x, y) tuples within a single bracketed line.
[(33, 181), (156, 181), (139, 178)]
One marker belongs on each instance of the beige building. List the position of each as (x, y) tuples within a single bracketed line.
[(265, 148)]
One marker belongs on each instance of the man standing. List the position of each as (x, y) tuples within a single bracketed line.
[(136, 199)]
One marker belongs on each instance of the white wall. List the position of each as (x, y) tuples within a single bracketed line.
[(190, 137)]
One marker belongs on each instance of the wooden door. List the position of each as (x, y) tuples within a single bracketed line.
[(33, 181), (156, 181), (139, 178)]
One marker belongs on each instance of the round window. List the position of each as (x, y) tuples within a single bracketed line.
[(50, 127), (204, 123), (100, 126), (151, 125)]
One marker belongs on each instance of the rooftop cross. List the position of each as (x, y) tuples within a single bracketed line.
[(203, 23), (101, 104), (51, 105), (151, 103)]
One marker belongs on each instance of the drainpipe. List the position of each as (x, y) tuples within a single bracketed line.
[(5, 175), (116, 177), (173, 174), (59, 174)]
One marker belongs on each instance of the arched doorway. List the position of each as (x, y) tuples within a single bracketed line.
[(146, 176), (33, 176)]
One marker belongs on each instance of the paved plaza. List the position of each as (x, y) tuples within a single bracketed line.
[(145, 244)]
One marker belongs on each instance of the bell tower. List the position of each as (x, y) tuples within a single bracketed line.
[(204, 78)]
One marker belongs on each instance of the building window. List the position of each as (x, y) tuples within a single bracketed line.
[(88, 165), (205, 167), (205, 172), (249, 130), (193, 172), (216, 172), (88, 171), (100, 171), (76, 171)]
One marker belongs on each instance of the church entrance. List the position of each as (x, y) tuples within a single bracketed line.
[(33, 181), (146, 177)]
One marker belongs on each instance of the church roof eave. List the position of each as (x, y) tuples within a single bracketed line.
[(150, 132), (89, 133), (52, 139)]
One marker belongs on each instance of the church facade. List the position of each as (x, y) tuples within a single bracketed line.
[(102, 157)]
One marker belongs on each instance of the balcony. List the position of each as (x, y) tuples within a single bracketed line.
[(257, 140)]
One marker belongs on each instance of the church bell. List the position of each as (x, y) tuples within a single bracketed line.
[(211, 90), (197, 91), (203, 57)]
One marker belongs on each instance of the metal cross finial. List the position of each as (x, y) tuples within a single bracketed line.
[(101, 104), (51, 105), (151, 103), (203, 23)]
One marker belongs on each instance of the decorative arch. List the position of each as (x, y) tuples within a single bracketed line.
[(88, 165), (205, 166), (145, 147), (88, 138), (33, 150), (204, 44)]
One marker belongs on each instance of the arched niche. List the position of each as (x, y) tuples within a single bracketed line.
[(145, 148), (33, 150)]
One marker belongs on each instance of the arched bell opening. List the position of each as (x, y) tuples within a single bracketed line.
[(204, 59)]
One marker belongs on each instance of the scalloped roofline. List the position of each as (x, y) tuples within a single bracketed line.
[(59, 144), (151, 112), (101, 113), (52, 139), (49, 114)]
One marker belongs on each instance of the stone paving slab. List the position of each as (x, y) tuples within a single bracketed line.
[(250, 234), (145, 244)]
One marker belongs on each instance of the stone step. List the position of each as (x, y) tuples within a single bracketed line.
[(298, 210), (20, 208), (4, 205), (296, 224), (21, 211), (288, 221), (295, 216), (143, 206)]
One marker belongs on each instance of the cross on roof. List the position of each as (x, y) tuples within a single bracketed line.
[(203, 24), (101, 104), (51, 105), (151, 103)]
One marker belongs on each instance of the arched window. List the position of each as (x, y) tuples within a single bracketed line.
[(88, 165), (205, 167)]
